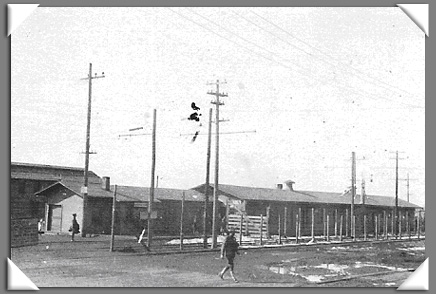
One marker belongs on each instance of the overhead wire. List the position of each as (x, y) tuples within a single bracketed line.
[(272, 53), (346, 65)]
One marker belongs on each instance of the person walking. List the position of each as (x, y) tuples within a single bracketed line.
[(230, 248), (75, 228)]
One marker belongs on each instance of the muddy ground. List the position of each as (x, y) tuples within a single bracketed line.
[(56, 262)]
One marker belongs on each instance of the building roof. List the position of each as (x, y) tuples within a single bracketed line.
[(268, 194), (93, 190), (33, 176), (127, 193), (46, 166), (162, 194), (43, 172)]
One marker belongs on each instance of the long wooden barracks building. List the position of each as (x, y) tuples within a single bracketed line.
[(53, 193)]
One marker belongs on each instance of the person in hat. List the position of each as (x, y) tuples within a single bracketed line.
[(75, 228), (230, 249)]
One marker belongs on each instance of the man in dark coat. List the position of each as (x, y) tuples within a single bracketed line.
[(75, 228), (230, 249)]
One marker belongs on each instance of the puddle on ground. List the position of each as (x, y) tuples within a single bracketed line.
[(412, 249), (322, 272)]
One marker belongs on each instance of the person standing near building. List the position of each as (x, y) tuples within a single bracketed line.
[(75, 228), (41, 226), (230, 248)]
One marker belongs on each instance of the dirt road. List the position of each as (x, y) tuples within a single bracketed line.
[(90, 264)]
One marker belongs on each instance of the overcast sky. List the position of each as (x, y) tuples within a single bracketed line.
[(315, 84)]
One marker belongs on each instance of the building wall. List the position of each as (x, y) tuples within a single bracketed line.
[(334, 212), (21, 198), (26, 179), (69, 203), (100, 215), (24, 212), (24, 232), (128, 222), (193, 218)]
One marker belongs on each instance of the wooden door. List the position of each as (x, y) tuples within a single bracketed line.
[(55, 218)]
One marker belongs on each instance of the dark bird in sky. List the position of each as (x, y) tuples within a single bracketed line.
[(194, 106), (194, 116)]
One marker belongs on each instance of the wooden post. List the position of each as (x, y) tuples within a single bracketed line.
[(246, 226), (114, 201), (151, 196), (385, 230), (299, 222), (296, 227), (227, 214), (240, 228), (380, 225), (340, 228), (285, 221), (418, 225), (261, 228), (328, 229), (280, 231), (206, 192), (346, 223), (268, 220), (324, 223), (313, 224), (400, 229), (392, 225), (181, 221), (336, 223), (376, 227), (364, 228), (354, 227), (407, 224)]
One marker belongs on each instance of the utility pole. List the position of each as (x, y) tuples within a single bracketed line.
[(151, 197), (84, 191), (206, 193), (396, 194), (363, 193), (353, 189), (408, 186), (217, 103), (395, 217), (114, 203)]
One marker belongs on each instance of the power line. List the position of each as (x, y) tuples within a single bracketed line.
[(377, 80), (222, 133), (245, 40), (272, 53)]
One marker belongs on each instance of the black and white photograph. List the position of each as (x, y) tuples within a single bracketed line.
[(217, 147)]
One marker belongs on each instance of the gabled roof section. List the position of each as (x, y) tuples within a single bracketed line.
[(251, 193), (345, 198), (161, 194), (268, 194), (45, 166), (33, 176), (94, 190), (42, 172), (127, 193)]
